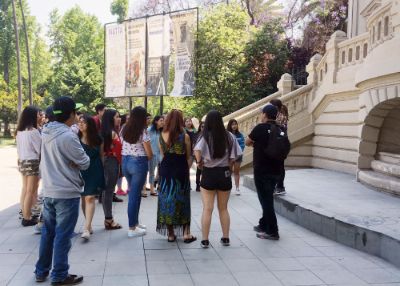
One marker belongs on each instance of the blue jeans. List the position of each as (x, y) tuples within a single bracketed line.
[(135, 170), (153, 163), (60, 217)]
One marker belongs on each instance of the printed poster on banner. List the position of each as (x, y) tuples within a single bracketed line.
[(135, 81), (183, 25), (115, 60), (158, 29)]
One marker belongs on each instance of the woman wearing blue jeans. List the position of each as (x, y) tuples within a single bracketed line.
[(136, 153)]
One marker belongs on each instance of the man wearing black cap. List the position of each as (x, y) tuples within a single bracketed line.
[(266, 173), (62, 159)]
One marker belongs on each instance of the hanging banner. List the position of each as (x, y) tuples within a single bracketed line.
[(183, 25), (158, 29), (115, 60), (135, 81)]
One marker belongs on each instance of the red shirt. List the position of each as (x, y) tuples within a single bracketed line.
[(98, 123)]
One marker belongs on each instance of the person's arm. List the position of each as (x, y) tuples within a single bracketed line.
[(36, 141), (147, 145), (197, 153), (253, 136), (73, 150), (148, 150), (102, 152), (249, 142), (188, 147)]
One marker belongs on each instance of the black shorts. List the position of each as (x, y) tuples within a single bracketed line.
[(216, 179)]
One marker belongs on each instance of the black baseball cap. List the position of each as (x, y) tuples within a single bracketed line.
[(65, 105), (271, 111)]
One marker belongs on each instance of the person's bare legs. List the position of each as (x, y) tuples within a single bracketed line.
[(222, 201), (31, 183), (89, 211), (207, 198), (23, 193), (236, 174)]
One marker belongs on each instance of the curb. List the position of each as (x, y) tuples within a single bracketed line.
[(351, 235)]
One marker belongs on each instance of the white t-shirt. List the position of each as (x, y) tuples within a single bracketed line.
[(29, 143), (209, 162), (137, 149)]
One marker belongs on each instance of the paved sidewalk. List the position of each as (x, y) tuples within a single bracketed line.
[(111, 258)]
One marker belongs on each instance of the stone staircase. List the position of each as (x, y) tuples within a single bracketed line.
[(384, 173)]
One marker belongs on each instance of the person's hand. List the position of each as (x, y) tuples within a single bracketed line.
[(73, 165)]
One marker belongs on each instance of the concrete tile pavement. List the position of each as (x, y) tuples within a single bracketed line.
[(111, 258)]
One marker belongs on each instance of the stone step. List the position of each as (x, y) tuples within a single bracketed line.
[(382, 182), (335, 206), (390, 158), (386, 168)]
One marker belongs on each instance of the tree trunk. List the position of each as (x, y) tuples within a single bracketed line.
[(19, 108), (6, 52), (28, 54)]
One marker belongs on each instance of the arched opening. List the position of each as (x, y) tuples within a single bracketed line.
[(379, 150)]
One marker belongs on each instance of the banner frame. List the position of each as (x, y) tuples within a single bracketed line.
[(145, 96)]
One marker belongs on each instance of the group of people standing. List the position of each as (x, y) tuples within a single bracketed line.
[(83, 156)]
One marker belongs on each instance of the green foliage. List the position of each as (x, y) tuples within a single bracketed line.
[(120, 8), (40, 61), (77, 44), (221, 84), (267, 55)]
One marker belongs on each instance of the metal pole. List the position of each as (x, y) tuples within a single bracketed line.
[(130, 104), (161, 104)]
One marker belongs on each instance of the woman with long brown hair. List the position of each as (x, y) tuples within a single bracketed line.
[(173, 215), (28, 148), (136, 153), (94, 175)]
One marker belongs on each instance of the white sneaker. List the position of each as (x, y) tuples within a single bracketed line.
[(237, 192), (37, 229), (85, 234), (142, 226), (136, 232)]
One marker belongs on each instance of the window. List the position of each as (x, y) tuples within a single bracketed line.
[(358, 53), (350, 55), (386, 26), (343, 57), (373, 34), (326, 67), (365, 50), (379, 30)]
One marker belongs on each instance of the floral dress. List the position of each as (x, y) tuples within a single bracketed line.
[(174, 195)]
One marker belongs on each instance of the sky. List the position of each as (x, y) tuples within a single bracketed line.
[(42, 8)]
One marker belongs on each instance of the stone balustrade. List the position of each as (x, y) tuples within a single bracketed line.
[(380, 27), (353, 51)]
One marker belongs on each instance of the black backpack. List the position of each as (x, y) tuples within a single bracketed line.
[(278, 146)]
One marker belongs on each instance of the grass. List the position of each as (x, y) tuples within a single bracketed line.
[(6, 141)]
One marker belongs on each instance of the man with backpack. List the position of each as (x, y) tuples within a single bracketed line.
[(271, 147)]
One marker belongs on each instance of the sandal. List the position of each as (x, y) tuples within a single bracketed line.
[(190, 240), (144, 195), (173, 238), (111, 225), (154, 194)]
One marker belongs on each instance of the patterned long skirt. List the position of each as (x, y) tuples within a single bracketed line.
[(174, 195)]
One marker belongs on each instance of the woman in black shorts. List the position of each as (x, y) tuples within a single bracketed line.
[(216, 151)]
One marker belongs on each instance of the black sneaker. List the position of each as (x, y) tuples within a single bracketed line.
[(40, 279), (116, 199), (258, 228), (205, 243), (70, 280), (225, 241), (264, 235), (29, 222)]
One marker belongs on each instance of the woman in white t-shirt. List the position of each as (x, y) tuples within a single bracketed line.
[(29, 143), (136, 153), (216, 151)]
